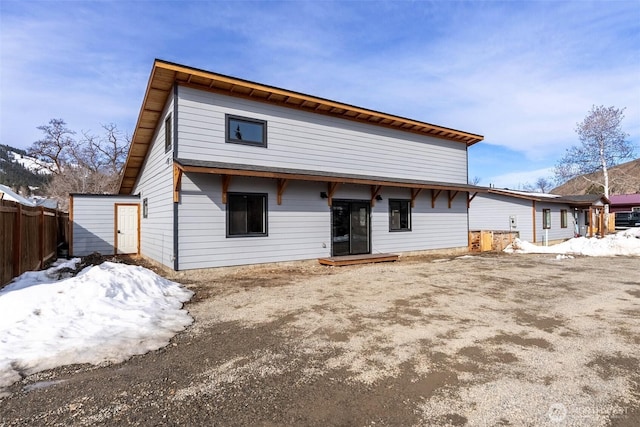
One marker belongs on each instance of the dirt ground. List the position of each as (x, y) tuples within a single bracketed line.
[(482, 341)]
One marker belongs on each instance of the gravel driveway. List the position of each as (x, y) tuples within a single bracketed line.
[(484, 340)]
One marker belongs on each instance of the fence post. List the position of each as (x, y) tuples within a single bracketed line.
[(17, 237), (41, 235)]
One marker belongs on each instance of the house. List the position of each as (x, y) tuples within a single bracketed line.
[(537, 217), (625, 202), (224, 171)]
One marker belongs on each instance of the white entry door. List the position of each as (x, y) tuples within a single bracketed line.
[(127, 229)]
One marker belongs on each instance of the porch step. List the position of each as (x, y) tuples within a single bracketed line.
[(357, 259)]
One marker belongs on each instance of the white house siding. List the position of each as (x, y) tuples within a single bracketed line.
[(300, 228), (555, 232), (297, 229), (155, 183), (308, 141), (94, 223), (431, 228), (492, 212)]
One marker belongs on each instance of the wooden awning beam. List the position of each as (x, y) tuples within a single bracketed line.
[(414, 194), (177, 183), (226, 180), (452, 195), (375, 191), (470, 199), (282, 185), (331, 189), (434, 196)]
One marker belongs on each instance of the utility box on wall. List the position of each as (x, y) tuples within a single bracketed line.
[(513, 222)]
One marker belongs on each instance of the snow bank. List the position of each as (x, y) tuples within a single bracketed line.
[(623, 243), (107, 313)]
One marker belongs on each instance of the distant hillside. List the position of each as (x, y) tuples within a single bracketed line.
[(21, 172), (623, 179)]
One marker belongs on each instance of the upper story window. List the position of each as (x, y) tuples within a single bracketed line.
[(400, 215), (167, 134), (242, 130)]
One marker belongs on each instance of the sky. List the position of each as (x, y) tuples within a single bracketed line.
[(521, 73)]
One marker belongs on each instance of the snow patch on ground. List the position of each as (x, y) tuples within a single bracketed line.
[(106, 313), (626, 242)]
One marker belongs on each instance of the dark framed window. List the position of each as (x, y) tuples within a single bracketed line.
[(145, 207), (167, 134), (546, 219), (246, 214), (563, 218), (242, 130), (399, 215)]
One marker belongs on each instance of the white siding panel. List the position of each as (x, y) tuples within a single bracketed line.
[(94, 223), (492, 212), (302, 140), (297, 229), (300, 228), (555, 232), (155, 183), (440, 227)]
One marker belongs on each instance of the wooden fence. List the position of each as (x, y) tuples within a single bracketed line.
[(29, 237)]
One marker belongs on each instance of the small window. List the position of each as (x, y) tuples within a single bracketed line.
[(246, 214), (399, 215), (563, 218), (546, 219), (241, 130), (167, 134), (145, 207)]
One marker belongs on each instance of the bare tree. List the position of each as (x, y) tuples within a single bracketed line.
[(92, 164), (603, 144), (475, 180), (542, 185), (55, 149)]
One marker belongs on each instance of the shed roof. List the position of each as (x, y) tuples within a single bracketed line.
[(164, 75)]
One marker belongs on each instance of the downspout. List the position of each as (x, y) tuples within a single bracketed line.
[(176, 204)]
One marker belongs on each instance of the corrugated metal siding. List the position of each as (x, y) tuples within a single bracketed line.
[(156, 184), (302, 140), (300, 228), (492, 212), (94, 223)]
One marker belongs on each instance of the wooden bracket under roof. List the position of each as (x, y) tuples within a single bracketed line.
[(434, 196), (375, 191), (414, 194), (282, 185), (452, 195)]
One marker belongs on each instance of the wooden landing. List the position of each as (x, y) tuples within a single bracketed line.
[(357, 259)]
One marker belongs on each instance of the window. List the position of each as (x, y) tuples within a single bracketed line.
[(546, 219), (399, 215), (246, 214), (563, 218), (145, 207), (167, 134), (241, 130)]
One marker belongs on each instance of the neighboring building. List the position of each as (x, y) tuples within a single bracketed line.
[(625, 202), (537, 217), (232, 172), (6, 193)]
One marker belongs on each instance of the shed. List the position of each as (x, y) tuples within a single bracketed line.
[(108, 224)]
